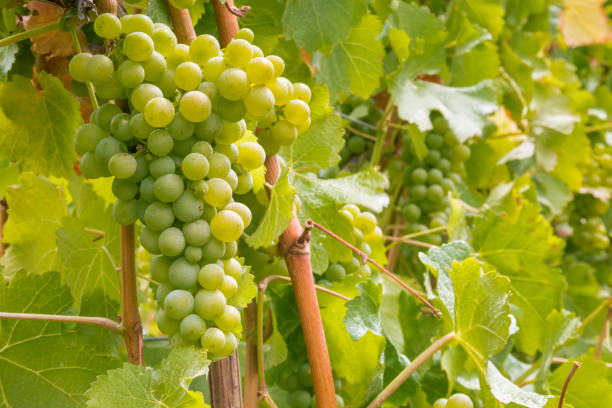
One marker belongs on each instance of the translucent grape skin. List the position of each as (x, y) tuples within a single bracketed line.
[(159, 112), (107, 26), (195, 106), (227, 226), (138, 46)]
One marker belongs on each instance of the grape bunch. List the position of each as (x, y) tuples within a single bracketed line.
[(454, 401), (179, 151), (299, 386), (367, 234), (429, 181)]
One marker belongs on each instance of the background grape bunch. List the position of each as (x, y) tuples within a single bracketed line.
[(299, 389), (180, 150)]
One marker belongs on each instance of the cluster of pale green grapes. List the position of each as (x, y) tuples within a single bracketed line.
[(299, 385), (598, 172), (181, 154), (429, 181), (367, 233), (454, 401)]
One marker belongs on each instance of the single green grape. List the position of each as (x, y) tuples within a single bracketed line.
[(245, 34), (161, 165), (99, 68), (231, 344), (213, 68), (195, 106), (155, 67), (197, 233), (219, 193), (138, 46), (230, 111), (108, 147), (136, 22), (193, 254), (282, 89), (233, 84), (130, 74), (138, 126), (209, 304), (277, 63), (365, 221), (214, 250), (232, 268), (92, 167), (297, 112), (459, 401), (260, 71), (125, 212), (187, 76), (259, 101), (192, 327), (195, 166), (245, 184), (178, 304), (299, 399), (167, 324), (78, 67), (229, 286), (238, 53), (149, 240), (168, 188), (87, 138), (124, 190), (229, 319), (242, 210), (188, 207), (159, 112), (251, 155), (211, 276), (105, 114), (160, 143), (203, 48), (160, 267), (120, 127), (213, 340), (171, 241), (142, 94), (335, 272), (284, 133), (183, 274), (227, 226), (302, 91), (180, 128), (209, 129), (164, 40)]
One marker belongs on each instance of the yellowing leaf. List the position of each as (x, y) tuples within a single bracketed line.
[(584, 22)]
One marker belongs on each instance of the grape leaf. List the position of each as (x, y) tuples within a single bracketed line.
[(465, 109), (38, 127), (362, 311), (485, 13), (395, 362), (247, 290), (506, 392), (9, 174), (480, 63), (584, 22), (355, 64), (48, 359), (7, 58), (139, 387), (328, 22), (36, 209), (159, 13), (464, 34), (417, 329), (264, 18)]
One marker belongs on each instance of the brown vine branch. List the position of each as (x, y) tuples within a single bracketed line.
[(183, 26), (106, 6), (605, 334), (365, 258), (227, 23), (412, 367), (575, 368), (238, 12), (96, 321), (132, 333)]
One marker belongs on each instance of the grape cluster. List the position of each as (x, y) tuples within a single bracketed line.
[(299, 386), (367, 233), (429, 181), (454, 401), (181, 154)]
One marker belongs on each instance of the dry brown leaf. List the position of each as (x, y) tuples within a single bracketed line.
[(584, 22)]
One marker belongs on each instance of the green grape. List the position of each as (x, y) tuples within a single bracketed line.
[(229, 319), (213, 340), (299, 399), (220, 165), (136, 22), (171, 241), (434, 141), (197, 233), (110, 89), (356, 144), (259, 102), (260, 71), (257, 52), (210, 89), (211, 276), (159, 216), (304, 126), (232, 268), (138, 46), (92, 167), (87, 137), (167, 324), (278, 64), (305, 375), (231, 344), (418, 192), (231, 249), (230, 111), (213, 250), (364, 271), (119, 127), (187, 76), (122, 165), (209, 304), (144, 93), (178, 55), (440, 403), (339, 401), (365, 221), (335, 272), (461, 153), (245, 34), (162, 291), (227, 226), (434, 176), (148, 239), (242, 210), (193, 254), (168, 188), (203, 48), (282, 90), (229, 286), (419, 176), (238, 53), (99, 68), (213, 68), (166, 84), (155, 67), (130, 74), (251, 155), (160, 267), (245, 184), (182, 274), (161, 166), (124, 190), (178, 304), (195, 166), (435, 193), (202, 147), (210, 129), (107, 148), (138, 126), (232, 179), (164, 40), (459, 401), (219, 192), (159, 112), (78, 67), (195, 106), (433, 156), (230, 151), (125, 212), (105, 114), (231, 132), (297, 112), (233, 84), (188, 207), (444, 165), (302, 92), (182, 148), (192, 327), (284, 133), (180, 128), (160, 143)]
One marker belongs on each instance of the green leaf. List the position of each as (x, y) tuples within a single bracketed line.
[(506, 392), (129, 386), (159, 13), (277, 216), (38, 127), (362, 311), (480, 63), (482, 310), (485, 13), (417, 329), (355, 64), (36, 209), (464, 34), (552, 192), (465, 109), (197, 11), (247, 290), (553, 112), (589, 388), (48, 359), (395, 362), (321, 24), (7, 58), (9, 174), (264, 18)]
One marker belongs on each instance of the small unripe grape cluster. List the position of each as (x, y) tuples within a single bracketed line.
[(454, 401), (367, 233), (299, 386), (598, 172), (180, 156), (589, 230), (429, 181)]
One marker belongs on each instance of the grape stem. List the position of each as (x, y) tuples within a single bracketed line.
[(412, 367), (365, 258), (575, 368), (24, 35), (605, 333), (96, 321)]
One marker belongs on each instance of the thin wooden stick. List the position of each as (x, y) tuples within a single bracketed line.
[(115, 327), (575, 368), (131, 317)]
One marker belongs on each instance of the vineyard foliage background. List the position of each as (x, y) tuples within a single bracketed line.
[(520, 271)]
